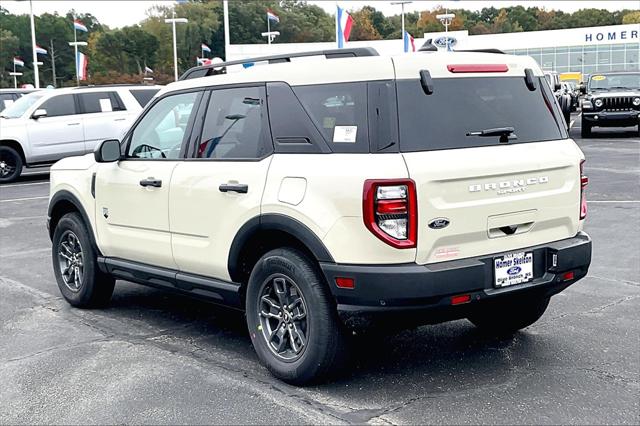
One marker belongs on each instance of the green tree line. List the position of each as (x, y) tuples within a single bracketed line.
[(121, 55)]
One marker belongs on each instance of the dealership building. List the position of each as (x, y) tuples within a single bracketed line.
[(585, 50)]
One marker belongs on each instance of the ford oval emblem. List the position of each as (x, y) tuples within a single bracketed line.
[(442, 41), (439, 223), (514, 270)]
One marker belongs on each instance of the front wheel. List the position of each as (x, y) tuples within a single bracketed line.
[(75, 265), (292, 319), (509, 316), (10, 164)]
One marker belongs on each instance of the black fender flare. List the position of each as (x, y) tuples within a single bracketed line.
[(67, 196), (275, 222)]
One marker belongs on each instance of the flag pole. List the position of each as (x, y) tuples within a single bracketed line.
[(15, 81), (75, 48), (36, 75), (268, 30)]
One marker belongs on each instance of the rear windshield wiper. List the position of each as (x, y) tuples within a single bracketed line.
[(505, 133)]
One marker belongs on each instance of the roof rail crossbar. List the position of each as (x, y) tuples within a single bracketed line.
[(488, 50), (205, 70)]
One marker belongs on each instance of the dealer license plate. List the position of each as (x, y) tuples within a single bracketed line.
[(513, 268)]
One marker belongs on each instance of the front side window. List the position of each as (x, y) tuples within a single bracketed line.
[(163, 129), (235, 125), (59, 106), (94, 102), (339, 111)]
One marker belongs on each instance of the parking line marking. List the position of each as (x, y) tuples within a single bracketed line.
[(571, 123), (612, 201), (24, 199), (24, 184)]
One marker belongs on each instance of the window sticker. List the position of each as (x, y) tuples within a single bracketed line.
[(598, 77), (345, 134), (105, 105)]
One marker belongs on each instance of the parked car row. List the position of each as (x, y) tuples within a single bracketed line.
[(42, 127)]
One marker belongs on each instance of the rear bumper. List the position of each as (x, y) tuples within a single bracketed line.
[(411, 288), (612, 119)]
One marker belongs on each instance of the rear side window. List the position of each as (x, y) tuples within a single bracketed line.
[(94, 102), (339, 111), (459, 106), (235, 125), (59, 105), (143, 96)]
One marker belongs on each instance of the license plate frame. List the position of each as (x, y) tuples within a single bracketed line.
[(512, 269)]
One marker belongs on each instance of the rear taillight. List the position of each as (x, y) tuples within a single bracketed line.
[(390, 211), (584, 181)]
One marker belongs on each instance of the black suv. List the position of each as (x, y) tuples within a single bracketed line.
[(612, 100)]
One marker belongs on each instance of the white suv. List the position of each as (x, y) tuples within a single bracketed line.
[(45, 126), (325, 196)]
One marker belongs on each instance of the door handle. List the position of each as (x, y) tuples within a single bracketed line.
[(120, 119), (240, 188), (73, 124), (157, 183)]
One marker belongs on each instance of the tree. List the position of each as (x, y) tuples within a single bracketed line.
[(8, 45), (502, 24), (363, 28), (631, 18)]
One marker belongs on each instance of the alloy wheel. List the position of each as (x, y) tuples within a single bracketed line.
[(283, 317), (71, 261)]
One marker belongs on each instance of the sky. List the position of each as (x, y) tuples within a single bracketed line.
[(118, 14)]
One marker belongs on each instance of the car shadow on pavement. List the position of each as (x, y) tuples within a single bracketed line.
[(454, 353)]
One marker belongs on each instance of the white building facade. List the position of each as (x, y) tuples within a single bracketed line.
[(586, 50)]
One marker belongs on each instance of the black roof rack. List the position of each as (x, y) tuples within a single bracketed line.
[(90, 86), (490, 50), (212, 69)]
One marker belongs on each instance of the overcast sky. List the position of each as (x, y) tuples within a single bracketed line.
[(117, 14)]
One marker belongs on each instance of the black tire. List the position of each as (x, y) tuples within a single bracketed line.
[(585, 130), (10, 164), (507, 317), (92, 288), (324, 351)]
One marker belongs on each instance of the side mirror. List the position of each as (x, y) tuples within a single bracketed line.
[(583, 89), (556, 86), (108, 151), (39, 113)]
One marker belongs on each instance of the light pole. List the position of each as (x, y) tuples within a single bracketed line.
[(402, 3), (271, 35), (173, 22), (75, 45), (36, 75), (446, 19)]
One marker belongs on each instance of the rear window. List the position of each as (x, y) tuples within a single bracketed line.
[(339, 111), (143, 96), (459, 106)]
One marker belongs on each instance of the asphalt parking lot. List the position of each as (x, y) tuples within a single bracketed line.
[(153, 357)]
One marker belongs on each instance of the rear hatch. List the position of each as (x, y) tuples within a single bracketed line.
[(516, 185)]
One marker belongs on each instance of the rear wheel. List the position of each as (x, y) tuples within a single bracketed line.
[(507, 317), (585, 130), (75, 266), (292, 319), (10, 164)]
